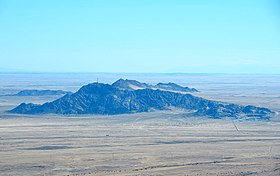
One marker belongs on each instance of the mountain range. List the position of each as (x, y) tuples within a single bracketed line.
[(40, 93), (130, 96)]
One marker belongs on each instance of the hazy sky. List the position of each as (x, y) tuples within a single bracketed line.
[(198, 36)]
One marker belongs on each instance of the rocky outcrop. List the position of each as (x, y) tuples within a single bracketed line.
[(98, 98)]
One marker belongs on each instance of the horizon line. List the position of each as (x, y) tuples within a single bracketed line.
[(169, 73)]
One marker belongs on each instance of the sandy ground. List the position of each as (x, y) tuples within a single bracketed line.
[(139, 144), (156, 143)]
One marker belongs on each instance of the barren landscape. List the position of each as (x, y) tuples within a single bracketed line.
[(139, 88), (154, 143)]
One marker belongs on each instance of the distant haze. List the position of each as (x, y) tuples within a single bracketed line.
[(152, 36)]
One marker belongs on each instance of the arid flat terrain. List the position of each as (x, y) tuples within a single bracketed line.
[(155, 143)]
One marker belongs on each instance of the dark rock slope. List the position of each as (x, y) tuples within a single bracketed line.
[(100, 98)]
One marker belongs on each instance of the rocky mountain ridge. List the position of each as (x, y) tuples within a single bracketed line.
[(99, 98), (134, 85)]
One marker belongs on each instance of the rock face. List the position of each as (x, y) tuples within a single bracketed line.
[(98, 98), (40, 92)]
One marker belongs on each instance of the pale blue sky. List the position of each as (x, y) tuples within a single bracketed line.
[(199, 36)]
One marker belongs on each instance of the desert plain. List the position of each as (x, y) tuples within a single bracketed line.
[(154, 143)]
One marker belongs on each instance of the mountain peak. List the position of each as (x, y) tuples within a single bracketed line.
[(135, 85), (129, 84)]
